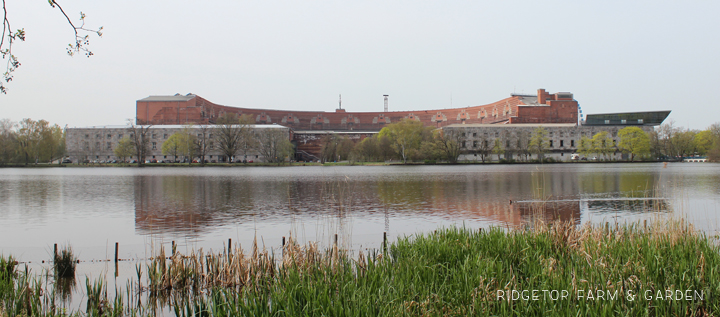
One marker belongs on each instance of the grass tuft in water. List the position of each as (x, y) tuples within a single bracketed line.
[(65, 262)]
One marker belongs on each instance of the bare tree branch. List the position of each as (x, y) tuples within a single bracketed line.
[(12, 62), (80, 45), (81, 41)]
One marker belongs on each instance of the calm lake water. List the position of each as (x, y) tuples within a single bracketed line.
[(93, 208)]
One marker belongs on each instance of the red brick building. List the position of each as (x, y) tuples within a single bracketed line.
[(541, 108)]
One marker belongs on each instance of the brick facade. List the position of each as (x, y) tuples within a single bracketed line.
[(541, 108)]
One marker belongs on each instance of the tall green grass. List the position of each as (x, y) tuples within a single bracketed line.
[(448, 272), (20, 293), (458, 272)]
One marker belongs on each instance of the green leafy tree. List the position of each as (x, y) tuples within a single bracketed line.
[(713, 153), (715, 129), (124, 148), (682, 143), (704, 141), (364, 150), (171, 146), (186, 141), (634, 141), (602, 144), (8, 141), (498, 148), (274, 144), (448, 143), (335, 148), (38, 141), (539, 142), (28, 137), (405, 136), (586, 146), (523, 144), (367, 149), (374, 149), (52, 142), (428, 151)]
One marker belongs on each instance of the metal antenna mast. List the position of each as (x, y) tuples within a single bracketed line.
[(386, 102)]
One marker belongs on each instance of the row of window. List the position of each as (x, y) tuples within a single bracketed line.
[(165, 156), (624, 121), (561, 134), (487, 144), (108, 145), (153, 136)]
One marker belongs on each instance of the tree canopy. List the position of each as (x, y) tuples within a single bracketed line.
[(704, 141), (171, 146), (634, 141), (233, 135), (539, 142), (335, 147), (30, 141), (585, 147), (449, 144), (405, 136), (602, 144), (274, 145), (125, 149)]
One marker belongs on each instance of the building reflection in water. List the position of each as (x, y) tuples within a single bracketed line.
[(547, 211), (190, 204), (627, 206)]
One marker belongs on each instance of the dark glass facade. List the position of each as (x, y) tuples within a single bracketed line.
[(627, 118)]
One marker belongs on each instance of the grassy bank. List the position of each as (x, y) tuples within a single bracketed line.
[(666, 268)]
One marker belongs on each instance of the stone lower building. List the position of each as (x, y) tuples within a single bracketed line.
[(97, 143), (564, 139)]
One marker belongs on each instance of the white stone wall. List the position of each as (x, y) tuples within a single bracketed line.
[(98, 143), (565, 139)]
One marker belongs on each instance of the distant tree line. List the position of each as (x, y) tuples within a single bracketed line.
[(410, 140), (30, 142), (673, 142)]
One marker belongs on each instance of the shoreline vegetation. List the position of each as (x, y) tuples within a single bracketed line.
[(664, 267), (37, 142), (342, 163)]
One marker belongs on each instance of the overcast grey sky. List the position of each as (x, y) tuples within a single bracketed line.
[(299, 55)]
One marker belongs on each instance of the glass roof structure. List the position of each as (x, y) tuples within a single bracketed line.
[(651, 118)]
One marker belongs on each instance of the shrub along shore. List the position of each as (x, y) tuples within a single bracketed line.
[(557, 269), (341, 163)]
